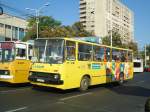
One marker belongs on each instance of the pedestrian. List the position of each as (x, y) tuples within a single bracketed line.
[(147, 105)]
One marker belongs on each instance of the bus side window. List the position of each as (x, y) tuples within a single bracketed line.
[(84, 52), (98, 53), (129, 56), (115, 55), (70, 51), (108, 54), (20, 53), (30, 52), (0, 54), (123, 56)]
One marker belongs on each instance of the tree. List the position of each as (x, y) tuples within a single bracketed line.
[(45, 23), (147, 53), (49, 27), (132, 45), (116, 40), (80, 31)]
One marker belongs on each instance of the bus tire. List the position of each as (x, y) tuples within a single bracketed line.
[(121, 79), (147, 105), (84, 84)]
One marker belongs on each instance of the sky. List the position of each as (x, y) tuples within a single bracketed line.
[(67, 11)]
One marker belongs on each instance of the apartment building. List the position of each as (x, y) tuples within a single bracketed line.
[(102, 16), (12, 27)]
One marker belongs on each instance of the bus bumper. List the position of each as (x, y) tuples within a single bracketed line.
[(45, 80), (6, 76)]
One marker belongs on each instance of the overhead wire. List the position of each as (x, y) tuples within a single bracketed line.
[(15, 10)]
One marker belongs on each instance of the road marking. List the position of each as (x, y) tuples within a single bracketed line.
[(75, 96), (14, 90), (137, 83), (140, 81), (18, 109)]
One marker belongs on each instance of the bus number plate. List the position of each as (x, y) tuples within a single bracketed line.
[(40, 80)]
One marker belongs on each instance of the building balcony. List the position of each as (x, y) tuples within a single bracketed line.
[(83, 15), (82, 7), (82, 2)]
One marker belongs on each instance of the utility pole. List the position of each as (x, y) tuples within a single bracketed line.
[(37, 12), (145, 57), (110, 14)]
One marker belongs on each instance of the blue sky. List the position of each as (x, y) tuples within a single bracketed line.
[(67, 12)]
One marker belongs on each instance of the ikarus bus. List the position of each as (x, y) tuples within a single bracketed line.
[(15, 61), (67, 63)]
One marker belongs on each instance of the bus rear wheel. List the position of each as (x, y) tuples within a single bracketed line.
[(84, 84)]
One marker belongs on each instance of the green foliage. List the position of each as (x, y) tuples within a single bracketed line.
[(79, 30), (49, 27), (133, 46), (44, 21), (116, 40), (148, 48)]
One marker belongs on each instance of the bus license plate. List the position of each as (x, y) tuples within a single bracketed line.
[(40, 80)]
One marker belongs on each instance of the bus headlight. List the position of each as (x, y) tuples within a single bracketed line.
[(6, 72), (56, 76), (30, 73)]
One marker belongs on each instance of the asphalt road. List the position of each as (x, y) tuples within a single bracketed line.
[(130, 97)]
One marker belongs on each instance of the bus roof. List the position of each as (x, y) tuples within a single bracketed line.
[(16, 42), (78, 40)]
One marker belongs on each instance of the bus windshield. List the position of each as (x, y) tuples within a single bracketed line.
[(7, 52), (49, 51)]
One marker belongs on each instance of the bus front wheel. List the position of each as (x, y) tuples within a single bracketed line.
[(84, 84)]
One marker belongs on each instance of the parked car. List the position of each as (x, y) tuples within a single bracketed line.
[(147, 68)]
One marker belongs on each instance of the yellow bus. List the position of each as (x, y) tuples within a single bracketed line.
[(15, 61), (67, 63)]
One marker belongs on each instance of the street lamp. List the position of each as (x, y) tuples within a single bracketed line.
[(110, 17), (37, 12), (138, 48), (145, 57)]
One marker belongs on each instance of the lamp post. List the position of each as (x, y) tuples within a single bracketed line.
[(110, 15), (145, 57), (37, 13), (138, 48)]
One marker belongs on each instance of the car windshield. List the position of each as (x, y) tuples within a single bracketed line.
[(49, 51), (7, 52)]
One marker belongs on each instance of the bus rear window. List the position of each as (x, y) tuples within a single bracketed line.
[(137, 64)]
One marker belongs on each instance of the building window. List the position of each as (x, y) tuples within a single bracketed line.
[(1, 25), (21, 33), (8, 27)]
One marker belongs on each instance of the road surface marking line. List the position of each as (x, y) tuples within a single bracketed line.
[(141, 81), (13, 90), (67, 98), (18, 109)]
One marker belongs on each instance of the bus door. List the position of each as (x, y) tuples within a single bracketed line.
[(117, 66), (71, 66), (98, 65), (85, 52), (21, 64), (108, 63)]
